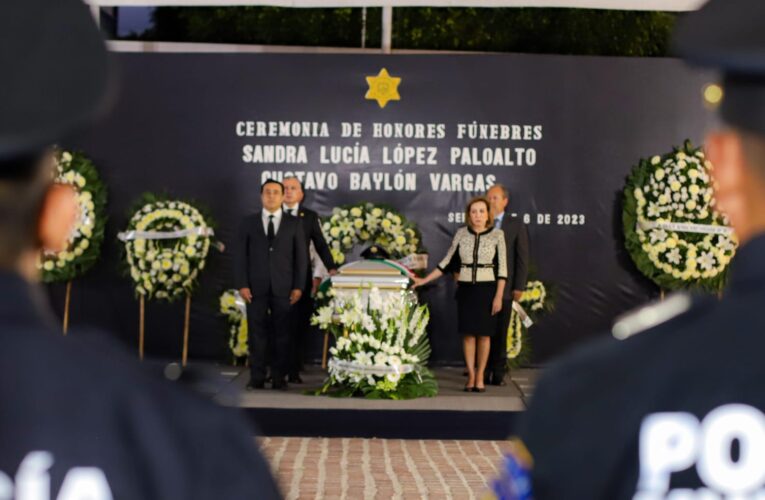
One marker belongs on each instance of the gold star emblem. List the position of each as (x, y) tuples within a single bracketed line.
[(383, 88)]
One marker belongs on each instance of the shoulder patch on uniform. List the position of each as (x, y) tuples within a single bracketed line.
[(514, 481), (652, 315)]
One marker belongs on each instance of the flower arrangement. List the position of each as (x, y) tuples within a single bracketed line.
[(233, 307), (515, 336), (166, 245), (367, 223), (673, 231), (381, 349), (77, 171), (533, 297), (534, 301)]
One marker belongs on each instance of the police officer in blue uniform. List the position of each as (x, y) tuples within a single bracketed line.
[(677, 410), (78, 419)]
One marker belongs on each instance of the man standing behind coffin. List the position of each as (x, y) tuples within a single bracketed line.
[(271, 268), (677, 409), (517, 245), (301, 314), (78, 418)]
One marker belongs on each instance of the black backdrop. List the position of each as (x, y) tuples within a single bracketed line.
[(175, 129)]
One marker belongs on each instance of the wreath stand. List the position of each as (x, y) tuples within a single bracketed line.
[(142, 329), (67, 300)]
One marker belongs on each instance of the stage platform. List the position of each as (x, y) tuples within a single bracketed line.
[(453, 414)]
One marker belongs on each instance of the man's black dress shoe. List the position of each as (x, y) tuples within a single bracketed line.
[(295, 379), (279, 385), (256, 385)]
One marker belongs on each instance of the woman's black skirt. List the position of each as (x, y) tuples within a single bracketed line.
[(474, 309)]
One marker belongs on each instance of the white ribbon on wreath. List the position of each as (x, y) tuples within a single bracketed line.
[(240, 304), (518, 317), (525, 319), (165, 235), (684, 227), (358, 368)]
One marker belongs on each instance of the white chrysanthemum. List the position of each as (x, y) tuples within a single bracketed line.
[(381, 359), (706, 261)]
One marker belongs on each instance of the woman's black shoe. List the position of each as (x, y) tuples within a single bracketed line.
[(479, 389)]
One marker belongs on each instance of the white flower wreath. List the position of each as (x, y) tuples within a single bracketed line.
[(166, 245), (514, 336), (365, 222), (673, 230), (534, 301), (233, 308)]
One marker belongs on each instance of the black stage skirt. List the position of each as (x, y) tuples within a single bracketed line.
[(474, 309)]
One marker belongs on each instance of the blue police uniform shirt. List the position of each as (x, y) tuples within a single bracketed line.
[(80, 416), (676, 407)]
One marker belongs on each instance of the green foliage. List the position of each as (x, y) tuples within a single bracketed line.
[(408, 388), (532, 30), (266, 25)]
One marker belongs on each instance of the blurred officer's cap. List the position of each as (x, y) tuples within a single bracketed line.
[(55, 75), (729, 35)]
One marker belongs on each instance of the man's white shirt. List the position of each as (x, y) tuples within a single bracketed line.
[(277, 220), (294, 211)]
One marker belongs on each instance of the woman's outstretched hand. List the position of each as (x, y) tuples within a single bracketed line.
[(418, 282)]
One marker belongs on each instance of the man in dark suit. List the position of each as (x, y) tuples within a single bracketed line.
[(293, 198), (517, 245), (271, 266)]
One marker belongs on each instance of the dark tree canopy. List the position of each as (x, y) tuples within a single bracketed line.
[(532, 30)]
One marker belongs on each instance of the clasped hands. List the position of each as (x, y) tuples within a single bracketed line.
[(295, 295)]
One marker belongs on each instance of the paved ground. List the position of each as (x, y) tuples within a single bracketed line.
[(343, 468), (352, 469)]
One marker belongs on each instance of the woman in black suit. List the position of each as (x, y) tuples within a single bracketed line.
[(480, 251)]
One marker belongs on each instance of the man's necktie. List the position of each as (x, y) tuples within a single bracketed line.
[(498, 223), (271, 232), (291, 211)]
